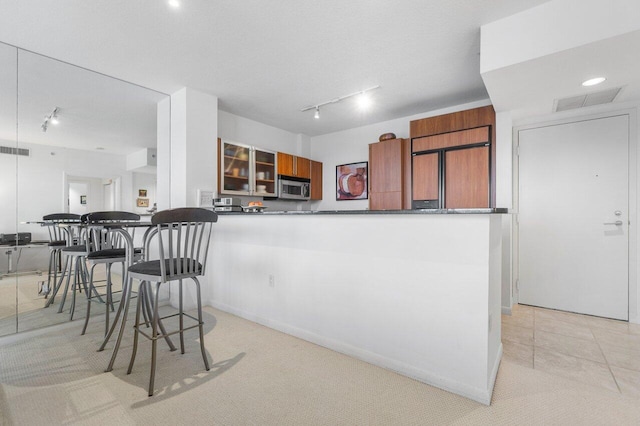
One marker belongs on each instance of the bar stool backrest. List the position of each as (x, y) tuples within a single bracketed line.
[(58, 233), (101, 238), (183, 239)]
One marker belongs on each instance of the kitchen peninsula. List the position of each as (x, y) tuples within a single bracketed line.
[(417, 292)]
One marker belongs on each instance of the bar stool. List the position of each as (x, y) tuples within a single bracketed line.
[(106, 248), (74, 266), (58, 238), (183, 237)]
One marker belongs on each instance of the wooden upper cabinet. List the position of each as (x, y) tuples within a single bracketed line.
[(302, 168), (316, 180), (285, 164), (389, 180), (453, 122), (452, 139), (291, 165)]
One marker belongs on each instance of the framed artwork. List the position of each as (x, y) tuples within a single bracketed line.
[(142, 192), (83, 199), (351, 181), (142, 202)]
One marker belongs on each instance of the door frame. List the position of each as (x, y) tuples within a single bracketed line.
[(632, 114)]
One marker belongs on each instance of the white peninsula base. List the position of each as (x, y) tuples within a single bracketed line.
[(417, 294)]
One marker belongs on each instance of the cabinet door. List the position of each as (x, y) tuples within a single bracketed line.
[(264, 173), (385, 200), (235, 169), (385, 166), (303, 167), (425, 178), (285, 164), (467, 178), (316, 180)]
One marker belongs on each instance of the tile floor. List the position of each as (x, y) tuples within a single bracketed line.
[(591, 350)]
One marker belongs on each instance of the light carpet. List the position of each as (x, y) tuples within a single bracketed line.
[(263, 377)]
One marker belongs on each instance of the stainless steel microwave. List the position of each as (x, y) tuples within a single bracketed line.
[(292, 188)]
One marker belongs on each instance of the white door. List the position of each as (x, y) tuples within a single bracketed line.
[(574, 217)]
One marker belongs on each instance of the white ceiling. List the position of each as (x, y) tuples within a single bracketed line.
[(94, 110), (267, 60), (529, 89)]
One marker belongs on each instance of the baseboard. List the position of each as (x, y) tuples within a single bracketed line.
[(482, 396), (506, 310), (494, 374)]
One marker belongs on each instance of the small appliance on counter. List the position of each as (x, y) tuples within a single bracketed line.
[(227, 204)]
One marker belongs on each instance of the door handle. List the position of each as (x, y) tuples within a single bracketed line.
[(616, 223)]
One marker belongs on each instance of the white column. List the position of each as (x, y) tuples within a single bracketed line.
[(163, 124), (504, 198), (194, 135)]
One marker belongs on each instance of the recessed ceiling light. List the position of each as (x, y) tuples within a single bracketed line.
[(593, 81), (174, 4)]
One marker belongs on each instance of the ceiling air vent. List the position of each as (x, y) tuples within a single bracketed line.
[(14, 151), (595, 98)]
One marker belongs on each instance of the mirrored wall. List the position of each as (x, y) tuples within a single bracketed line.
[(74, 141)]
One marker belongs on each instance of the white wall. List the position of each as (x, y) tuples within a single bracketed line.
[(8, 191), (76, 191), (352, 146), (239, 129), (41, 188), (143, 181), (366, 286)]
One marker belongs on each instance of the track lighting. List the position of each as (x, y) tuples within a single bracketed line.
[(364, 101), (51, 118)]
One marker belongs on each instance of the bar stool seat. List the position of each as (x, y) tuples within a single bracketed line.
[(57, 243), (152, 269), (117, 253)]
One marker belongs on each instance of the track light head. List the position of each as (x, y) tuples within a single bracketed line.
[(317, 114)]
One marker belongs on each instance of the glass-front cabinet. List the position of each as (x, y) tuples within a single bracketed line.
[(247, 170)]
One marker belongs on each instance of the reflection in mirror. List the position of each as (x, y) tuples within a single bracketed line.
[(90, 143), (8, 193)]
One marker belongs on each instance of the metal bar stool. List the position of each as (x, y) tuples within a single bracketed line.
[(74, 269), (58, 238), (107, 247), (183, 237)]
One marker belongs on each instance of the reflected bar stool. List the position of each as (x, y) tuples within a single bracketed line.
[(58, 238), (107, 248), (74, 266), (183, 237)]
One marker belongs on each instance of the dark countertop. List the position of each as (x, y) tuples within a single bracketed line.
[(266, 212)]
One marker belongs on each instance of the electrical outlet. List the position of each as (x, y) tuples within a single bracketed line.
[(272, 280)]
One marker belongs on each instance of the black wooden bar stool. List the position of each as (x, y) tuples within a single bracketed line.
[(183, 237)]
